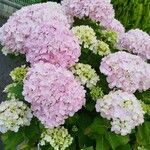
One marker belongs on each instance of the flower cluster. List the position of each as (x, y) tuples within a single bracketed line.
[(58, 138), (123, 109), (98, 10), (110, 36), (86, 35), (101, 48), (126, 71), (146, 107), (19, 73), (53, 43), (24, 23), (85, 74), (137, 42), (116, 26), (96, 93), (13, 115), (53, 92), (88, 39)]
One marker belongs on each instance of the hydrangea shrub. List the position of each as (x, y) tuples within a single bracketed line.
[(85, 84)]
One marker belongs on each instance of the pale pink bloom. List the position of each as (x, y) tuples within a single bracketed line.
[(126, 71), (123, 109), (53, 92), (21, 25), (136, 41)]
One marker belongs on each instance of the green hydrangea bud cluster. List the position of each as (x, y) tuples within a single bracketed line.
[(101, 48), (96, 93), (85, 74), (19, 73), (87, 37), (110, 36), (146, 108), (85, 34), (59, 138)]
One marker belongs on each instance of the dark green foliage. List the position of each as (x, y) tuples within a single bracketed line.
[(143, 135)]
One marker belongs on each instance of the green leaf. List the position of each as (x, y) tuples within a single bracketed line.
[(143, 135), (101, 143), (32, 132), (144, 96), (98, 127), (11, 140), (125, 147), (72, 146), (116, 140), (83, 140), (90, 106), (89, 148), (14, 90)]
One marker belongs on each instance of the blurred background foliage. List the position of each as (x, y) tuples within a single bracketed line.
[(133, 13)]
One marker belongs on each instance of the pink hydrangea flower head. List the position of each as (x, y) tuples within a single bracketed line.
[(98, 10), (53, 43), (123, 109), (126, 71), (136, 41), (114, 25), (53, 92), (23, 22)]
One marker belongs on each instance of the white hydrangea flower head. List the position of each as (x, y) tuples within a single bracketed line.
[(85, 34), (85, 74), (123, 109), (13, 115), (59, 138)]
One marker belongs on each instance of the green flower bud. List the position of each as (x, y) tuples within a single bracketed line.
[(19, 73), (96, 93), (85, 34), (101, 48), (85, 74), (58, 138), (110, 36)]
